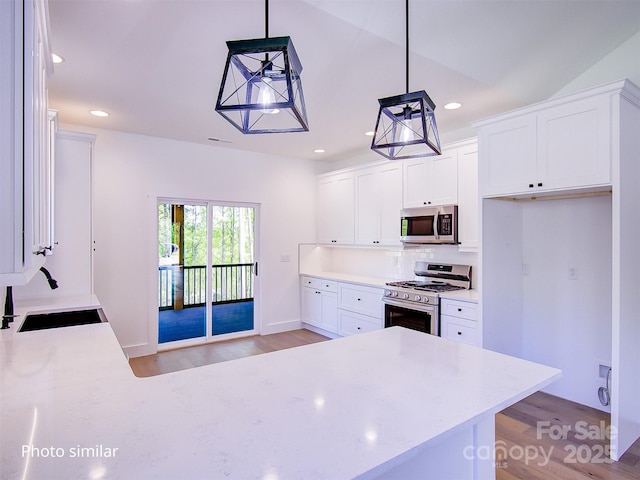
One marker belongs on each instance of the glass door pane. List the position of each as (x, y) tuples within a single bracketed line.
[(232, 273), (182, 265)]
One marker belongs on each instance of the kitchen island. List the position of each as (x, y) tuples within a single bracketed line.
[(393, 402)]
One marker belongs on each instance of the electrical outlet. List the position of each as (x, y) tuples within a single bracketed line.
[(573, 273), (285, 258)]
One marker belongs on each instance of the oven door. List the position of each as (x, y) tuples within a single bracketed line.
[(423, 318)]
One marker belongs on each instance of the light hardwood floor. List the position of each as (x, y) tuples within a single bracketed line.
[(530, 438)]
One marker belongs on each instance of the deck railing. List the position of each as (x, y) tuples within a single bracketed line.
[(230, 283)]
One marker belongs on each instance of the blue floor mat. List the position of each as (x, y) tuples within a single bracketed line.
[(190, 322)]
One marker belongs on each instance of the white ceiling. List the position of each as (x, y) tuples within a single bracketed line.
[(156, 65)]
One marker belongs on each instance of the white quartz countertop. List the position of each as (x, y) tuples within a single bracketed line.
[(464, 295), (72, 408), (350, 278)]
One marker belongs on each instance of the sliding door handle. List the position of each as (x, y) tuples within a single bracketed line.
[(255, 269)]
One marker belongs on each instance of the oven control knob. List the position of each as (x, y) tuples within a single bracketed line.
[(418, 298), (387, 293), (405, 296), (426, 299), (394, 294)]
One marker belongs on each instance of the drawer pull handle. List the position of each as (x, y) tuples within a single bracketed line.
[(358, 299), (459, 333), (459, 309), (358, 328)]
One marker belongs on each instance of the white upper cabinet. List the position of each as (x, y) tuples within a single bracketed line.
[(468, 208), (26, 169), (431, 180), (509, 152), (565, 146), (378, 204), (574, 144), (362, 205), (336, 209)]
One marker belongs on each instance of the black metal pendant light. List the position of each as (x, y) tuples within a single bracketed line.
[(406, 125), (261, 90)]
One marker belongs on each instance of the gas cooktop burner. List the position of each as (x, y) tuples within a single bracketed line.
[(426, 286)]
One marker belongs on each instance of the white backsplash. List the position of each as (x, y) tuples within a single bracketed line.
[(392, 263)]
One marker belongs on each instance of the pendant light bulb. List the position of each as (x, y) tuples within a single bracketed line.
[(405, 132), (266, 96)]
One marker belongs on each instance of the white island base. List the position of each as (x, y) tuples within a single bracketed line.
[(393, 403)]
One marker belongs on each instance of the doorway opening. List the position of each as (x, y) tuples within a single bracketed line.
[(206, 271)]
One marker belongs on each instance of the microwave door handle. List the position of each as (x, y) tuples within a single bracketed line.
[(435, 226)]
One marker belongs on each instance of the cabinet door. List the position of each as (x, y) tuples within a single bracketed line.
[(335, 220), (417, 188), (468, 210), (329, 312), (390, 199), (461, 330), (311, 306), (444, 178), (574, 144), (350, 323), (327, 201), (367, 207), (345, 209), (508, 156), (378, 205), (431, 180), (25, 65)]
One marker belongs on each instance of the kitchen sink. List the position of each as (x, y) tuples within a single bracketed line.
[(42, 321)]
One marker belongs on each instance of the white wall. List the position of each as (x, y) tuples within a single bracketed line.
[(623, 62), (70, 264), (567, 321), (132, 171), (383, 263)]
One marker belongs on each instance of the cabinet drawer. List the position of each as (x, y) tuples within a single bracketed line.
[(461, 330), (361, 299), (456, 308), (320, 284), (350, 323)]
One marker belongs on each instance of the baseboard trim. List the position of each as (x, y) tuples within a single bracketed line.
[(280, 327), (320, 331), (141, 350)]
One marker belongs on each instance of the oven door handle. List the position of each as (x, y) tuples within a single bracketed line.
[(420, 307)]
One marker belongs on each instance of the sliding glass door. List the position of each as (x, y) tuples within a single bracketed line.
[(233, 268), (206, 271)]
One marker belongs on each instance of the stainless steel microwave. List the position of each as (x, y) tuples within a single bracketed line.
[(429, 225)]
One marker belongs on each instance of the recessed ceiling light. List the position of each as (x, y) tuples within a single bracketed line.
[(99, 113), (452, 106), (318, 150), (369, 134), (56, 58)]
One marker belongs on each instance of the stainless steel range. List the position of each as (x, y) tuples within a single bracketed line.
[(415, 303)]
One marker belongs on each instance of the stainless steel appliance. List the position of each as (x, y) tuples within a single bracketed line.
[(429, 224), (415, 303)]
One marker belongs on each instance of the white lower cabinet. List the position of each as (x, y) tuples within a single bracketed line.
[(340, 307), (320, 303), (359, 308), (459, 321), (350, 323)]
